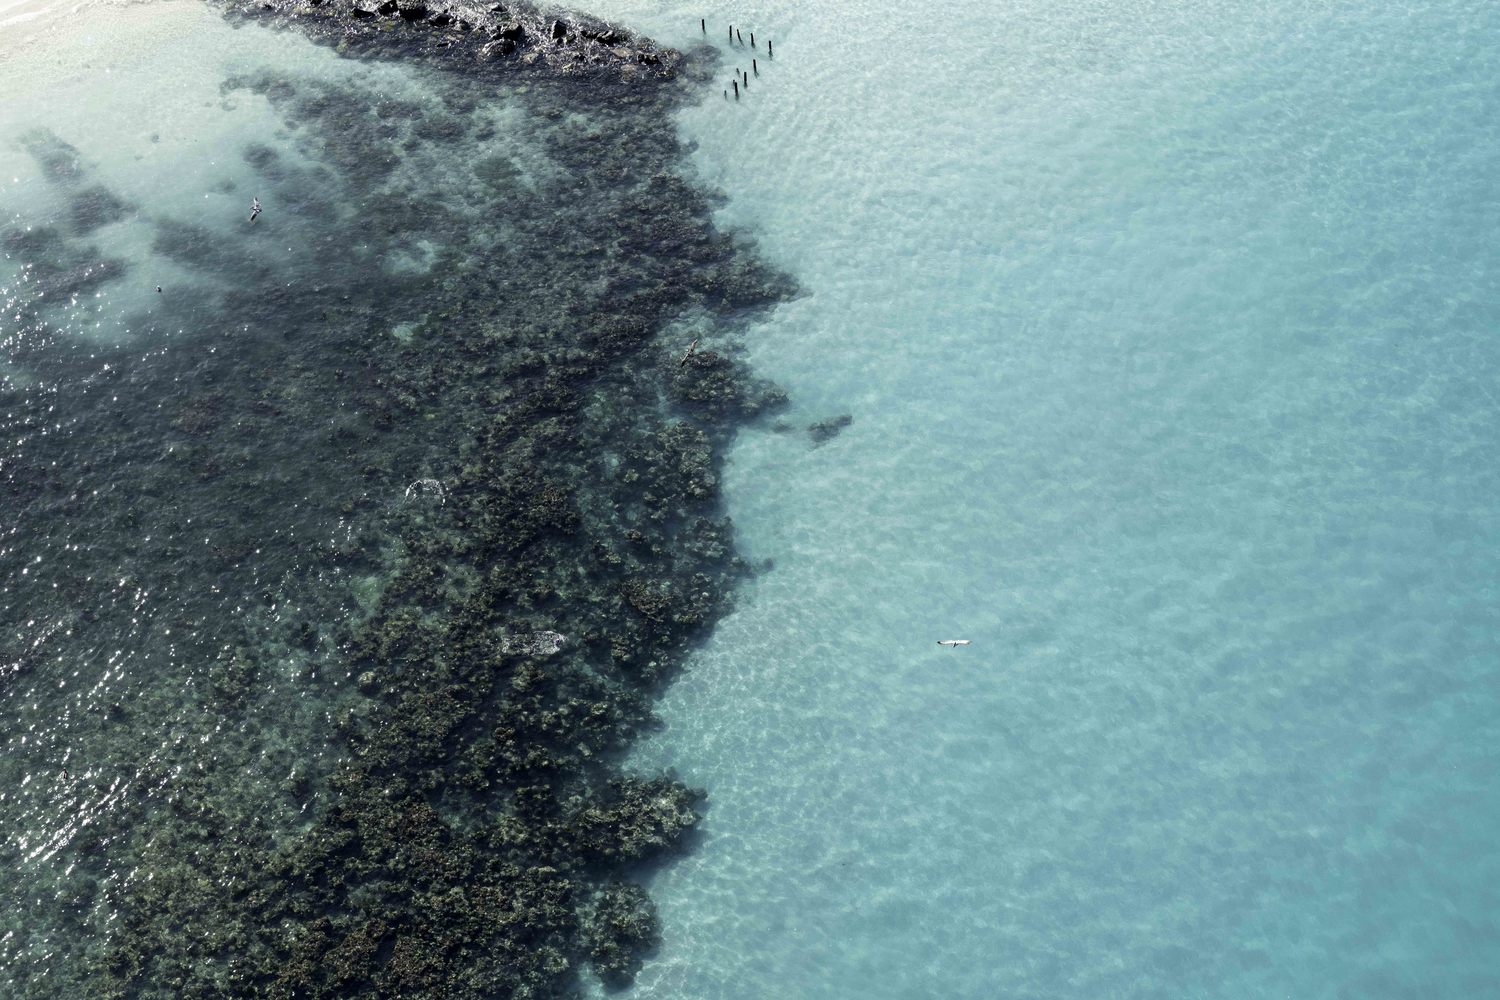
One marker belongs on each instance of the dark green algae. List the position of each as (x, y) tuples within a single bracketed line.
[(477, 836)]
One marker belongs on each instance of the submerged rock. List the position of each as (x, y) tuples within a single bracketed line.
[(94, 207), (60, 161), (621, 930), (823, 431)]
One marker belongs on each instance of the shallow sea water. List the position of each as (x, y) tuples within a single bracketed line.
[(1167, 334)]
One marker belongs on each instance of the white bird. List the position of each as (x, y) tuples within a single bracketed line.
[(953, 643), (254, 208)]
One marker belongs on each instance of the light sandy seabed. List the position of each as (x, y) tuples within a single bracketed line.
[(30, 38)]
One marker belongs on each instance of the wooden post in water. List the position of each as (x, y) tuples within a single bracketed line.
[(769, 53), (739, 36), (736, 86), (755, 66), (703, 23), (752, 39)]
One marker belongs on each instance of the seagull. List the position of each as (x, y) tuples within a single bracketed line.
[(953, 643), (254, 208), (691, 348)]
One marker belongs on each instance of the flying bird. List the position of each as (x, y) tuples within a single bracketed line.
[(953, 643), (254, 208)]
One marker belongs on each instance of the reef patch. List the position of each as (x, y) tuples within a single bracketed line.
[(499, 530)]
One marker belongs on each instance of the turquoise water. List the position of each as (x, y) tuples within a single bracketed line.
[(1168, 336), (1168, 333)]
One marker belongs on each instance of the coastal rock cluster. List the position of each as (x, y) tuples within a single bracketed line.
[(517, 35), (500, 333)]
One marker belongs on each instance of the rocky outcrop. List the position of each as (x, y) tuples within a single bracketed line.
[(531, 39)]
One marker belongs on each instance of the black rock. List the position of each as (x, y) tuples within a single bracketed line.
[(559, 32)]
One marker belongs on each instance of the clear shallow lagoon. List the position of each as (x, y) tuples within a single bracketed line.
[(1168, 335)]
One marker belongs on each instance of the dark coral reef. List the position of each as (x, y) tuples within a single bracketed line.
[(527, 469)]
